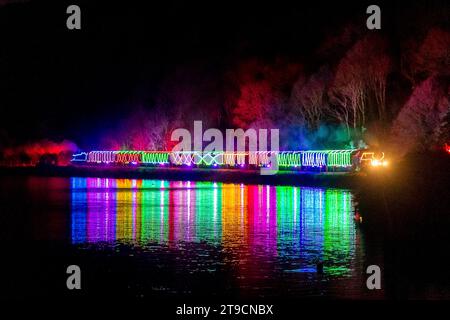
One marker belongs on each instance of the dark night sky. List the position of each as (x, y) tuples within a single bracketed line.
[(57, 83)]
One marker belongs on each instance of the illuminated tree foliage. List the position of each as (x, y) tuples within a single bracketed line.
[(313, 107), (259, 91)]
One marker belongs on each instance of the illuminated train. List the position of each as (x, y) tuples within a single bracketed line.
[(319, 160)]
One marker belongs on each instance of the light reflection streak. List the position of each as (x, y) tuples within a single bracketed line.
[(294, 223)]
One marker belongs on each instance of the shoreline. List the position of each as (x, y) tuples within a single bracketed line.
[(295, 178)]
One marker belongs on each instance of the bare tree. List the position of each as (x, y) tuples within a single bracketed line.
[(341, 112), (309, 100), (362, 73), (348, 99)]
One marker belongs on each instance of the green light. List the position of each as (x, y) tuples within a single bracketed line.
[(208, 214), (155, 211), (339, 158), (289, 159), (339, 232), (155, 157)]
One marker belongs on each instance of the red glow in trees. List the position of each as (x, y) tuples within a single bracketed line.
[(261, 91)]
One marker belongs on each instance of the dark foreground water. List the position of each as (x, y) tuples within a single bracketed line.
[(144, 238)]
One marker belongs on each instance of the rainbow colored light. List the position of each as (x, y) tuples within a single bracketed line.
[(296, 223), (286, 159), (124, 157)]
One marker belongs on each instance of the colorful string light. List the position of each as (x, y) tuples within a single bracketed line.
[(314, 159), (155, 157), (125, 157), (289, 159), (339, 158), (285, 159)]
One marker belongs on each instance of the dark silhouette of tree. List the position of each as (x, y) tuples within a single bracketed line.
[(433, 56), (145, 129), (444, 136), (416, 127)]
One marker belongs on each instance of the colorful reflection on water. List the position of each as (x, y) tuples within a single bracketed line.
[(297, 225)]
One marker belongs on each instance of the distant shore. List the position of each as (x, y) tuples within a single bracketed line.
[(319, 179)]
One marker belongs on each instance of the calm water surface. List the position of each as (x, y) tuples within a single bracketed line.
[(157, 237)]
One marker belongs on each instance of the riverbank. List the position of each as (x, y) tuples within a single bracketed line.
[(328, 179), (408, 212), (179, 240)]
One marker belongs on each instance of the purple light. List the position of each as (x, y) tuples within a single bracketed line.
[(134, 162)]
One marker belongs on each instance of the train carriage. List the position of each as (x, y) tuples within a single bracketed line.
[(308, 160)]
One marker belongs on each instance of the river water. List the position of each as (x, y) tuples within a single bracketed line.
[(144, 238)]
